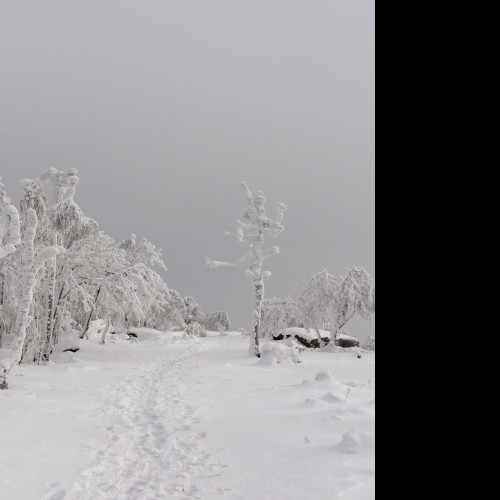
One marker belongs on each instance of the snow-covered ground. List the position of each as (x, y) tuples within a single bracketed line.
[(171, 416)]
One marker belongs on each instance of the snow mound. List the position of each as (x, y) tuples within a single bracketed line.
[(119, 337), (68, 343), (323, 375), (96, 328), (332, 398), (274, 354), (312, 403), (356, 441)]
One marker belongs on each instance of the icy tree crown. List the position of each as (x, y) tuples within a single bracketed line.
[(63, 184), (250, 233)]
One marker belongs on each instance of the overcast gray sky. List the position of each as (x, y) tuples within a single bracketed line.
[(164, 106)]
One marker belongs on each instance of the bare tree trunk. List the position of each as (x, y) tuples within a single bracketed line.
[(50, 339), (59, 304), (343, 321), (257, 313), (89, 318), (316, 329)]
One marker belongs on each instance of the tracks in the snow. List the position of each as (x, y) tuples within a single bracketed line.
[(151, 450)]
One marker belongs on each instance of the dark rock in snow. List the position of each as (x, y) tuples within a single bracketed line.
[(309, 338), (313, 343), (346, 341)]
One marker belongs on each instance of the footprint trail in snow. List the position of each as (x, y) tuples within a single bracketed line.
[(151, 450)]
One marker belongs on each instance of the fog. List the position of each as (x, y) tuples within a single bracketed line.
[(165, 106)]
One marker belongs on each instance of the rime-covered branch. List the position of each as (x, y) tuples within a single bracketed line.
[(9, 230)]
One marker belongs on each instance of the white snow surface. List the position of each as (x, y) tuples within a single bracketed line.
[(171, 416)]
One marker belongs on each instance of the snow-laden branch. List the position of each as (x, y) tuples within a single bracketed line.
[(213, 264), (142, 253), (10, 227), (46, 253)]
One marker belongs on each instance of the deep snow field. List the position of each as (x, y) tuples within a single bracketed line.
[(172, 416)]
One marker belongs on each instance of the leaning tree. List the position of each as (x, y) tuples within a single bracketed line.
[(250, 234)]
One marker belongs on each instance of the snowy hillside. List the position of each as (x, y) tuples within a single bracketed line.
[(166, 415)]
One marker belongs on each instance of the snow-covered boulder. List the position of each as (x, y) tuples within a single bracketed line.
[(343, 340), (308, 338), (274, 353)]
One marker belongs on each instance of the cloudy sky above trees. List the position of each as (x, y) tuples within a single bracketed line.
[(164, 106)]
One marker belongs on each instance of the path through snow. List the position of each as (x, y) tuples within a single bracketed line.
[(177, 417), (151, 450)]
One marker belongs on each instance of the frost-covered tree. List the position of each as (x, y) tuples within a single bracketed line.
[(217, 321), (278, 315), (355, 296), (32, 263), (329, 302), (250, 233), (174, 313), (4, 197), (9, 296), (34, 197), (63, 184), (10, 239), (60, 222), (318, 301), (143, 252), (70, 272), (66, 217), (110, 283), (196, 329), (154, 293), (68, 225), (105, 280), (193, 313)]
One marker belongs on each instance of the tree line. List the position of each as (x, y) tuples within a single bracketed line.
[(59, 271)]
